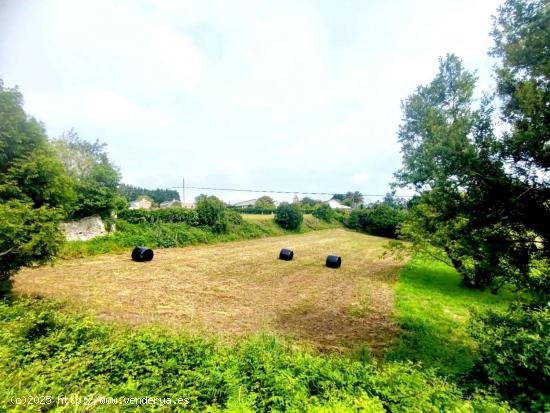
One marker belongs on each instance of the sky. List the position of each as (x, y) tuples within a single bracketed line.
[(278, 95)]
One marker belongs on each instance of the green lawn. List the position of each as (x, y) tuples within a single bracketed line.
[(433, 309)]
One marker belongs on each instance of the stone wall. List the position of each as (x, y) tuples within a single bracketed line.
[(84, 229)]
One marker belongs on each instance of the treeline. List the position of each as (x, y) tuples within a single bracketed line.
[(131, 193)]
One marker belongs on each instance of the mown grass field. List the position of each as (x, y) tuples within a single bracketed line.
[(240, 288), (229, 327)]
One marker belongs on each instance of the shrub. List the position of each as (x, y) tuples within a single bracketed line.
[(167, 215), (289, 216), (27, 236), (514, 354), (211, 212), (233, 217), (324, 212), (379, 219)]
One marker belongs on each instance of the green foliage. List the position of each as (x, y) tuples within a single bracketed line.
[(324, 212), (377, 219), (38, 178), (521, 35), (351, 199), (33, 190), (166, 215), (307, 201), (178, 234), (73, 355), (211, 212), (289, 216), (514, 354), (28, 236), (265, 202), (95, 177), (451, 156), (131, 193), (254, 210), (20, 135)]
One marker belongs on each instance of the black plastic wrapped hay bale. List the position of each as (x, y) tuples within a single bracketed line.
[(286, 254), (334, 261), (142, 254)]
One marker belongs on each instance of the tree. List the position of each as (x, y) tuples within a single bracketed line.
[(353, 199), (95, 178), (211, 212), (33, 190), (158, 195), (451, 156), (521, 31), (289, 216), (265, 202), (307, 201), (19, 134)]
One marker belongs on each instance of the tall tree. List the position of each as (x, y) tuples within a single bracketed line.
[(469, 207), (34, 190), (95, 177), (521, 31)]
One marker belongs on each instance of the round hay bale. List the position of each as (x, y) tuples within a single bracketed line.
[(334, 261), (142, 254), (286, 254)]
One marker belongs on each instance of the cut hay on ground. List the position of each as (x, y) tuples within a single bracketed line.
[(240, 288)]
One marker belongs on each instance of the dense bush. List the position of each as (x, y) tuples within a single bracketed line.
[(289, 216), (27, 236), (45, 351), (379, 219), (166, 215), (514, 354), (211, 212), (324, 212)]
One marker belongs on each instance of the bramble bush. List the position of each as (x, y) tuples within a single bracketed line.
[(289, 216)]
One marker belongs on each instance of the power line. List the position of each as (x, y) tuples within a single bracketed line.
[(275, 192)]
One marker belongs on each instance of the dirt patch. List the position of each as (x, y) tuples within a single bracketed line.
[(240, 288)]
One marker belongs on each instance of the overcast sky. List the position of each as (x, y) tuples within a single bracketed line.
[(286, 95)]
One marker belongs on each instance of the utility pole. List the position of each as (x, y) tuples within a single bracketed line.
[(183, 192)]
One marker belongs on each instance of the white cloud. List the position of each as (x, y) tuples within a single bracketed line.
[(277, 94)]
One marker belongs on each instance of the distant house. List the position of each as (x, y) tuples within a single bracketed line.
[(245, 204), (174, 203), (189, 205), (141, 203), (334, 204)]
